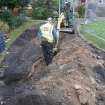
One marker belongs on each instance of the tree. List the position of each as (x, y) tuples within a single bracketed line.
[(12, 3), (44, 8), (9, 3), (23, 2)]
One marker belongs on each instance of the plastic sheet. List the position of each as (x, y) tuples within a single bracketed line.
[(2, 42)]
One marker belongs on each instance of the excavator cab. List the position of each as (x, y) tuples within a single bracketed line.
[(66, 22)]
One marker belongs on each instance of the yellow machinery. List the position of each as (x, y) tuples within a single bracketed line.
[(66, 16)]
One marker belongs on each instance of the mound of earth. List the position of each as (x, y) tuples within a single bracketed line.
[(22, 54), (76, 77)]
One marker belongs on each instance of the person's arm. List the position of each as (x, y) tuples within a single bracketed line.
[(56, 36)]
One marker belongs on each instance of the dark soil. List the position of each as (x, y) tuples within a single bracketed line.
[(76, 76)]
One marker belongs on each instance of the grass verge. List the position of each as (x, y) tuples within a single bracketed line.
[(15, 33), (95, 33)]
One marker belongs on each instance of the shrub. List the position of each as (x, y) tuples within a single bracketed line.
[(6, 16), (81, 11), (20, 20), (4, 27), (11, 20), (16, 21), (41, 13), (12, 23), (38, 13)]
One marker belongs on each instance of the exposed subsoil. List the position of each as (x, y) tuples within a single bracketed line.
[(76, 76)]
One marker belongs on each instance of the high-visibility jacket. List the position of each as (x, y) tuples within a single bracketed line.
[(46, 32)]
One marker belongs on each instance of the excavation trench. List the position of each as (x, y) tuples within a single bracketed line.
[(76, 76)]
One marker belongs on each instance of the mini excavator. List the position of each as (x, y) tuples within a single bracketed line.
[(66, 16)]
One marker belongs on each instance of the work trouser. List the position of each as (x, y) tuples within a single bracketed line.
[(47, 49)]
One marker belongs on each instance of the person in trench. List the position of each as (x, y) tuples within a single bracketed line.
[(49, 38)]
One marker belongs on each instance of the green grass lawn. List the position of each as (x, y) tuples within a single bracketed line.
[(94, 32)]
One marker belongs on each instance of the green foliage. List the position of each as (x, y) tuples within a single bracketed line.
[(9, 3), (81, 11), (6, 16), (11, 20), (20, 20), (41, 13), (12, 3), (43, 9), (23, 2), (38, 3), (16, 22)]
